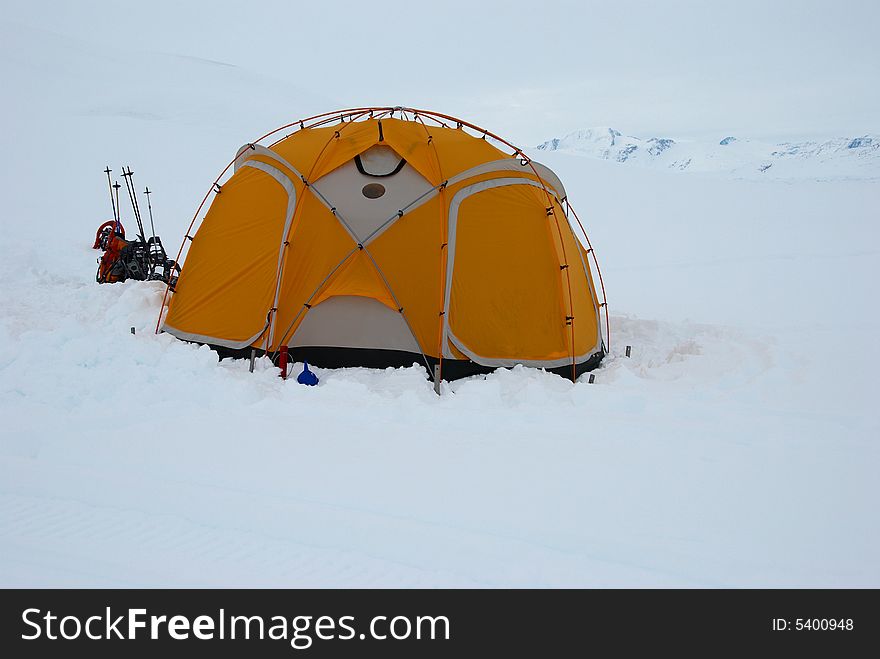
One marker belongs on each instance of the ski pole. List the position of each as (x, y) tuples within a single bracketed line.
[(110, 187), (128, 190), (155, 255), (150, 207), (116, 187), (129, 186), (137, 207)]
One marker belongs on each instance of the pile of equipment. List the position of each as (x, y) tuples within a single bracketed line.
[(141, 259)]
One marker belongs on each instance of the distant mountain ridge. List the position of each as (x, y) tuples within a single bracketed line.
[(840, 158)]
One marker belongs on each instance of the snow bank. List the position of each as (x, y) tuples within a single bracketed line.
[(703, 459)]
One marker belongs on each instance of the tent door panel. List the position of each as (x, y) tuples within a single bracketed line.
[(504, 302)]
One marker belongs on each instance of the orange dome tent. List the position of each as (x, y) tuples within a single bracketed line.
[(387, 236)]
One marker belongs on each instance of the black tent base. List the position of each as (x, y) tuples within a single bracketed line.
[(453, 369)]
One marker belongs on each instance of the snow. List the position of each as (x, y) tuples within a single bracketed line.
[(737, 446)]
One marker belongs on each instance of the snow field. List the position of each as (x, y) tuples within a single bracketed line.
[(736, 447)]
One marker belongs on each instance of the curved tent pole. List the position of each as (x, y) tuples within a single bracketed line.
[(571, 207), (592, 253), (308, 186), (216, 184), (400, 309), (186, 235), (317, 290), (569, 319), (284, 239), (444, 247), (551, 210), (360, 246), (518, 152)]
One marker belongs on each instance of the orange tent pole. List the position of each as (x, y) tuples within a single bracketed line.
[(444, 247)]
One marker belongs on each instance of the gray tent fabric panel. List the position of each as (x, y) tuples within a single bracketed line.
[(212, 340), (352, 321), (344, 190)]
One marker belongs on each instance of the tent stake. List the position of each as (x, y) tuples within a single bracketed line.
[(437, 379), (253, 359)]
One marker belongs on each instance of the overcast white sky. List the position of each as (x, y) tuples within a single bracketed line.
[(532, 70)]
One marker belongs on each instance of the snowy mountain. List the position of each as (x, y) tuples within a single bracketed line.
[(840, 158)]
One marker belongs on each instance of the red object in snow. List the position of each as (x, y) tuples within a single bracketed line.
[(282, 361)]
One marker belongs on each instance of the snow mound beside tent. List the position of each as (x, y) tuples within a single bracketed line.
[(61, 330)]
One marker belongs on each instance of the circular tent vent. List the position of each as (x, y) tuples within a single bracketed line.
[(373, 190)]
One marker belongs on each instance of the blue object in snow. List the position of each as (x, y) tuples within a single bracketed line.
[(307, 377)]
